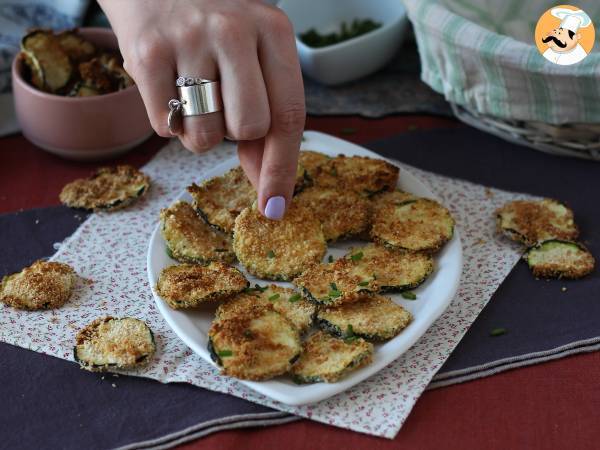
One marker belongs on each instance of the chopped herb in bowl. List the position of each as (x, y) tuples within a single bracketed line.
[(358, 27)]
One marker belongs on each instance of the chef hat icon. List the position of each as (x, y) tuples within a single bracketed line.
[(570, 19)]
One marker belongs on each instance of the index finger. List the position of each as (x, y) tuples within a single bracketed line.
[(283, 79)]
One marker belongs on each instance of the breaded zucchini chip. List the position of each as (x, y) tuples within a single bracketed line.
[(111, 343), (395, 271), (367, 176), (219, 200), (328, 359), (335, 283), (531, 222), (560, 259), (396, 197), (312, 161), (109, 188), (285, 301), (373, 317), (50, 66), (77, 48), (189, 239), (416, 225), (253, 342), (43, 285), (278, 249), (190, 285), (341, 213)]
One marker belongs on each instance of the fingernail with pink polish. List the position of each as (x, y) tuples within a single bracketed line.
[(275, 208)]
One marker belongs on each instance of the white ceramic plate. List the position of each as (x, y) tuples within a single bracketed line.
[(432, 297)]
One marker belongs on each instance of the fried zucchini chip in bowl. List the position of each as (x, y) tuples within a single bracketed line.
[(189, 239), (43, 285), (109, 189), (560, 259), (328, 359), (416, 225), (77, 48), (252, 341), (367, 176), (50, 66), (395, 271), (190, 285), (339, 282), (531, 222), (285, 301), (342, 214), (373, 317), (113, 343), (278, 249)]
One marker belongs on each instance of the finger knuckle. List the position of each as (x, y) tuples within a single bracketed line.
[(278, 23), (149, 48), (249, 131), (225, 27), (203, 140), (290, 119)]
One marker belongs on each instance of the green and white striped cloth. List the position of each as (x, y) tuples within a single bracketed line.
[(480, 54)]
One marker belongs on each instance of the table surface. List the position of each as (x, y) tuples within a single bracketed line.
[(550, 405)]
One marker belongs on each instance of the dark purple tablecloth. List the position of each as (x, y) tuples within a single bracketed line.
[(51, 403)]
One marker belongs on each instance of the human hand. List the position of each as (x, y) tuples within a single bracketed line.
[(246, 44)]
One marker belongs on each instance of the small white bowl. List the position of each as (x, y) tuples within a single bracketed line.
[(356, 57)]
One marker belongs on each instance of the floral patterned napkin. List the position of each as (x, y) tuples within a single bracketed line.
[(109, 253)]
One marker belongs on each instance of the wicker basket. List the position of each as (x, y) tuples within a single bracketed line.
[(500, 83)]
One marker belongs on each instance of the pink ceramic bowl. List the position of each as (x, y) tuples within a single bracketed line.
[(81, 127)]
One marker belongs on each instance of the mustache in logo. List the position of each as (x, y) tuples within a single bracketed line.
[(556, 41)]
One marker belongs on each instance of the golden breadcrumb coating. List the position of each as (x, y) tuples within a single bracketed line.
[(339, 282), (560, 259), (373, 317), (419, 225), (531, 222), (110, 188), (190, 285), (361, 174), (328, 359), (220, 199), (278, 249), (254, 342), (109, 342), (285, 301), (341, 213), (43, 285), (190, 239)]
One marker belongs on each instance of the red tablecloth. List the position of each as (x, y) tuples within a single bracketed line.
[(551, 405)]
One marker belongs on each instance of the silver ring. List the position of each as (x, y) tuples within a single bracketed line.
[(197, 96), (200, 99)]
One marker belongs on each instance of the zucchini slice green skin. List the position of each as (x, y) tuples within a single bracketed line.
[(191, 285), (395, 226), (560, 259), (533, 222), (394, 271), (260, 342), (375, 318), (328, 359), (97, 362), (190, 240), (52, 68), (336, 331)]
